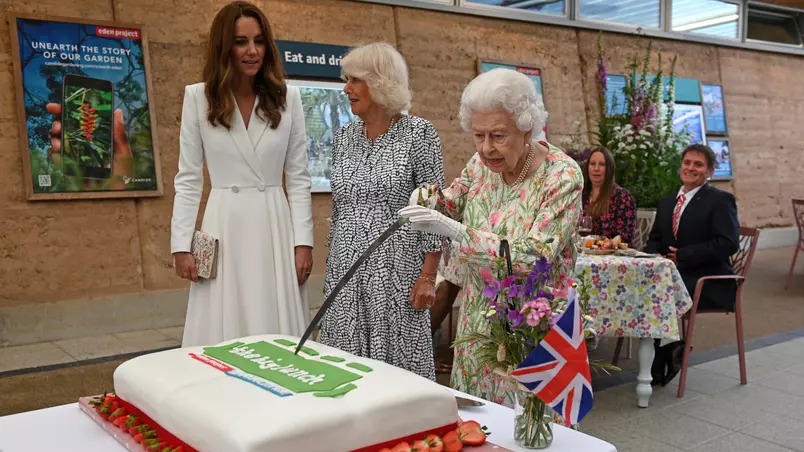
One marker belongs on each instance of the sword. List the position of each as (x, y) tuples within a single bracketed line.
[(342, 283)]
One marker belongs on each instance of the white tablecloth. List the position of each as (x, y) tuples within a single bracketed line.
[(66, 428)]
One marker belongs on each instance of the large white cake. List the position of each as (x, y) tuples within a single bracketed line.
[(252, 394)]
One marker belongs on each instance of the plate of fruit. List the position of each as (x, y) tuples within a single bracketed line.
[(600, 245)]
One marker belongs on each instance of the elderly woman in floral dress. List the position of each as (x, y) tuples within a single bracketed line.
[(527, 192)]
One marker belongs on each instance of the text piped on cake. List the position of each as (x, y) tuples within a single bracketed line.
[(282, 367)]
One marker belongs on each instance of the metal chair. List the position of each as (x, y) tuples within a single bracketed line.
[(798, 212), (741, 262), (645, 219)]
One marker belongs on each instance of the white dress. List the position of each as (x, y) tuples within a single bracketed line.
[(256, 290)]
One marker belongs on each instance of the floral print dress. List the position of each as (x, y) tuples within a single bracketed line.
[(546, 205), (620, 219)]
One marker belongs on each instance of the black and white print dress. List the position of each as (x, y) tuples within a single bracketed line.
[(372, 316)]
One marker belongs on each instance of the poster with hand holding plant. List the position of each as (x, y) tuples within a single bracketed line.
[(83, 96)]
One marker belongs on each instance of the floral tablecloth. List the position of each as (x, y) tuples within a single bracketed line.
[(635, 297)]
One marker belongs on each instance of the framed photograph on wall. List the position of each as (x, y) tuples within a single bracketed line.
[(616, 101), (722, 158), (690, 118), (326, 109), (86, 109), (714, 109), (535, 75)]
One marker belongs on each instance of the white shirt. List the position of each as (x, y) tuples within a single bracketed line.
[(687, 198)]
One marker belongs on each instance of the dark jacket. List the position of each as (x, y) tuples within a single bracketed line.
[(708, 235)]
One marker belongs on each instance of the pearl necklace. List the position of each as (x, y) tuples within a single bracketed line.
[(525, 169), (393, 120)]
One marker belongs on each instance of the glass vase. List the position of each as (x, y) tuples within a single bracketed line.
[(533, 422)]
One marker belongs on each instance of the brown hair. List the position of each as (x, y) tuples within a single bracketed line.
[(708, 153), (599, 206), (218, 72)]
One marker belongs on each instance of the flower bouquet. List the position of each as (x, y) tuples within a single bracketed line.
[(521, 311), (642, 138)]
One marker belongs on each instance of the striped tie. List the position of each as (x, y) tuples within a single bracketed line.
[(677, 214)]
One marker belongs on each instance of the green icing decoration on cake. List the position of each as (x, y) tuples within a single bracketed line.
[(285, 342), (336, 392), (334, 359), (361, 367), (282, 367), (309, 351)]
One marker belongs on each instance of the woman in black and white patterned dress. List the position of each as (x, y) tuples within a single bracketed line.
[(378, 160)]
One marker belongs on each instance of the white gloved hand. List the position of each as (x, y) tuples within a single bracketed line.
[(428, 220), (428, 193)]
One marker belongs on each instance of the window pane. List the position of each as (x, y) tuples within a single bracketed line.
[(539, 6), (709, 17), (767, 25), (643, 13)]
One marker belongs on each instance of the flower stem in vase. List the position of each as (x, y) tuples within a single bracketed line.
[(533, 424)]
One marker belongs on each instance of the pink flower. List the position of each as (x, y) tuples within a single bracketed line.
[(560, 293), (495, 218), (535, 310), (485, 273)]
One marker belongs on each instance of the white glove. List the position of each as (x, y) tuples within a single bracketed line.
[(428, 220), (428, 193)]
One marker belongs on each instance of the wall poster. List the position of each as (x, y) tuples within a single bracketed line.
[(714, 110), (84, 97), (326, 109), (722, 158), (689, 118)]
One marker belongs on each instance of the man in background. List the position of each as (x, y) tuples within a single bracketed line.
[(697, 228)]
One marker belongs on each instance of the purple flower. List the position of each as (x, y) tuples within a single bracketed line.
[(494, 287), (516, 291), (602, 74), (544, 294), (515, 318)]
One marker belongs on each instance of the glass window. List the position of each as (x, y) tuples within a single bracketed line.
[(765, 24), (642, 13), (709, 17), (539, 6)]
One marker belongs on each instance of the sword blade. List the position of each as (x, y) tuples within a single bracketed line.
[(342, 283)]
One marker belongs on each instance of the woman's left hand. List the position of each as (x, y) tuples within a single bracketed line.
[(304, 263), (422, 295)]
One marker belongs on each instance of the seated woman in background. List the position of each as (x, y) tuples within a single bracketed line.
[(612, 208)]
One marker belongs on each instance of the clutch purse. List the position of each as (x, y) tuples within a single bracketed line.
[(205, 251)]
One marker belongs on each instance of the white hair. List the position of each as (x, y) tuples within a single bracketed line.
[(508, 90), (385, 72)]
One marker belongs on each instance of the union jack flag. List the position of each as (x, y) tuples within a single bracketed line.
[(557, 370)]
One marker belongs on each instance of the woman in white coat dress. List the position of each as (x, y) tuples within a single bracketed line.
[(249, 127)]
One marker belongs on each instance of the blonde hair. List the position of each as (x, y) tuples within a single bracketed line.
[(508, 90), (385, 72)]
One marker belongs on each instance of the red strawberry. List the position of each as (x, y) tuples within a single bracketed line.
[(401, 447), (451, 442), (385, 449), (132, 421), (435, 443), (471, 433), (420, 446), (120, 422), (119, 412), (139, 437)]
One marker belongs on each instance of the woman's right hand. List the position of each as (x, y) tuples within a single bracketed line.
[(185, 266)]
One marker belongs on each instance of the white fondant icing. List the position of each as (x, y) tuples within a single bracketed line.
[(212, 411)]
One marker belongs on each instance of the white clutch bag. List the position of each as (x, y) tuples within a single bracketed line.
[(205, 251)]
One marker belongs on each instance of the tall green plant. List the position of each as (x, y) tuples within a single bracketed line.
[(646, 148)]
